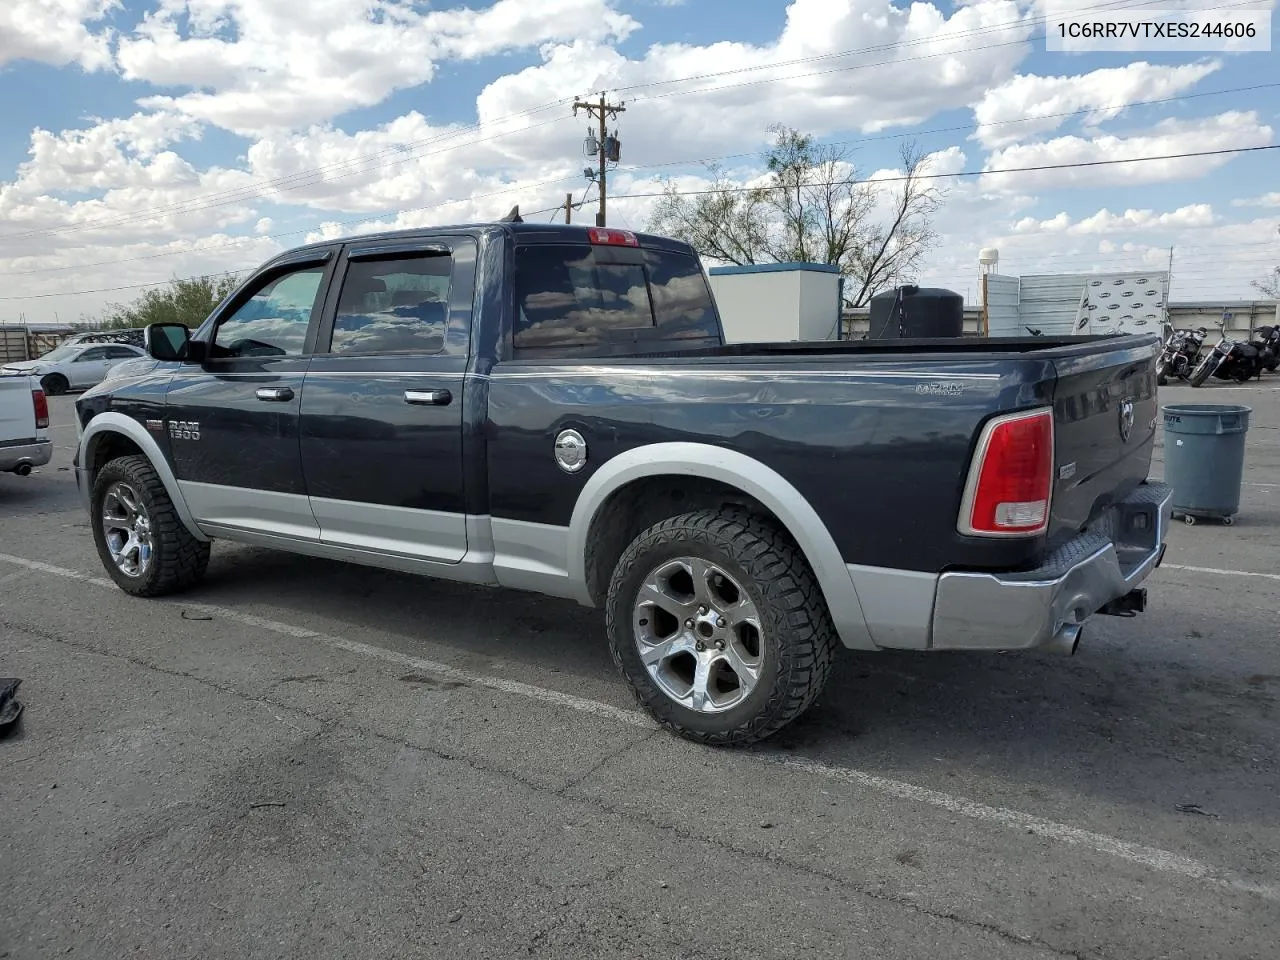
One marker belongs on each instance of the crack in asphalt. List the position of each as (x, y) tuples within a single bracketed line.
[(344, 721)]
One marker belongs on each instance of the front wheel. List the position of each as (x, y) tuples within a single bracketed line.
[(1162, 372), (141, 541), (1204, 369), (718, 624)]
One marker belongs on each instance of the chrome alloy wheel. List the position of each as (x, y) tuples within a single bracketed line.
[(698, 634), (126, 527)]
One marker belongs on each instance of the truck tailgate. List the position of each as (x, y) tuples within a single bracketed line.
[(1104, 405), (17, 415)]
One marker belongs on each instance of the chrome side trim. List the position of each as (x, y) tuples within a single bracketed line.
[(710, 373), (242, 508), (745, 474), (424, 534), (532, 556), (475, 568), (112, 422), (898, 605)]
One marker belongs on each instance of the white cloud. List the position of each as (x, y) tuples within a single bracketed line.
[(1131, 221), (918, 63), (266, 64), (1271, 199), (55, 32), (1167, 138), (1027, 105)]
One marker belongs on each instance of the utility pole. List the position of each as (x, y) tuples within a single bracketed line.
[(608, 149), (568, 208)]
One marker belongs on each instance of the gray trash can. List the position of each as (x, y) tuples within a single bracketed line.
[(1204, 458)]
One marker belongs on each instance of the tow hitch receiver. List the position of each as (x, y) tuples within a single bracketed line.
[(1130, 605)]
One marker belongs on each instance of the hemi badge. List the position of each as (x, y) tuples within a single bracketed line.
[(1067, 472), (156, 425)]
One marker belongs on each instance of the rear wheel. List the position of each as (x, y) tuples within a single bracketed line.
[(718, 624), (141, 541), (54, 384), (1204, 369)]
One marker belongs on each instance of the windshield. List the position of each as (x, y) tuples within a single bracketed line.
[(64, 352)]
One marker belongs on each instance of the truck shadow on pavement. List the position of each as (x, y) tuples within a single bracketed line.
[(1130, 699)]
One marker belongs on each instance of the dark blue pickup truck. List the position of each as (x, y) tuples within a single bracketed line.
[(553, 409)]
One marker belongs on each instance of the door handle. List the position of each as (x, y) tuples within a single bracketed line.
[(428, 398), (275, 394)]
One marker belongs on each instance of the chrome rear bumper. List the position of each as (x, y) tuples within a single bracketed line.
[(1046, 607), (21, 457)]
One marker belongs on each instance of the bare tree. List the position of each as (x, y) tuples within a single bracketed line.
[(724, 223), (1269, 286), (813, 208)]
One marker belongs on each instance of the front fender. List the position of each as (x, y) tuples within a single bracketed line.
[(111, 422), (751, 477)]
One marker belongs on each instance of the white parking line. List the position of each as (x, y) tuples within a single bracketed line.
[(1153, 858), (1219, 572)]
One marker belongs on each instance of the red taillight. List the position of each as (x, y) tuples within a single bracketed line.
[(41, 404), (1011, 480), (615, 238)]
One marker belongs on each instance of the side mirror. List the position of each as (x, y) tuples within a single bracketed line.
[(166, 341)]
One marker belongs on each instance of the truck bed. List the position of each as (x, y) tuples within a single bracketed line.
[(877, 435)]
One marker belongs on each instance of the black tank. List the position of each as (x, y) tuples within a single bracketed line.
[(916, 312)]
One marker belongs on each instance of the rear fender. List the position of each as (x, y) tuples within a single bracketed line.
[(751, 477)]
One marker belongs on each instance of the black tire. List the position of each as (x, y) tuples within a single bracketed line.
[(1204, 369), (177, 560), (54, 384), (797, 641), (1162, 373)]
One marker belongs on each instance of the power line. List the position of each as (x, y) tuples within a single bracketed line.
[(968, 173), (970, 126), (239, 241), (198, 204), (880, 180), (892, 45), (668, 163), (287, 182)]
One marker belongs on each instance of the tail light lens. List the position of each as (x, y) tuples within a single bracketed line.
[(1011, 480), (41, 404)]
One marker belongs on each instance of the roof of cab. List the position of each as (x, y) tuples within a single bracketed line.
[(527, 232)]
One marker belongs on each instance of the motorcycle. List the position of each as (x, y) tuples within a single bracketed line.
[(1180, 355), (1268, 344), (1230, 360)]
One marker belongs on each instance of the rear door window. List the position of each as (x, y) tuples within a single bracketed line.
[(396, 305), (577, 296)]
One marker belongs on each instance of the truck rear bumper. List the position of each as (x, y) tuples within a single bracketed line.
[(1046, 607), (21, 457)]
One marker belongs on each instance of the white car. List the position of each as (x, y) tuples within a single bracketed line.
[(73, 366)]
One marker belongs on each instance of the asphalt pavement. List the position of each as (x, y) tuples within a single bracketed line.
[(306, 759)]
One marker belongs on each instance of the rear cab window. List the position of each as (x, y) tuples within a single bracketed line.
[(574, 299)]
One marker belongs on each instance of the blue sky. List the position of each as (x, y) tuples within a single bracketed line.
[(145, 139)]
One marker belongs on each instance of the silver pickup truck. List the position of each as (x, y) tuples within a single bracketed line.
[(24, 426)]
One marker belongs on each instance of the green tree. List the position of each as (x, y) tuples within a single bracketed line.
[(811, 207), (184, 300)]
